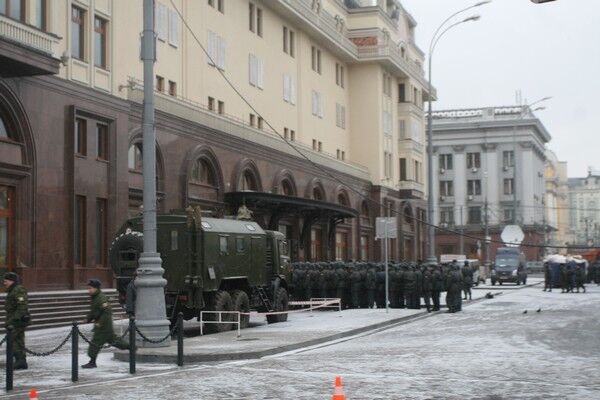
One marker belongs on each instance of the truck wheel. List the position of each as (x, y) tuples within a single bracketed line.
[(280, 303), (241, 303), (222, 302), (493, 282)]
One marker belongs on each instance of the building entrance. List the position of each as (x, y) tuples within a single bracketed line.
[(7, 224)]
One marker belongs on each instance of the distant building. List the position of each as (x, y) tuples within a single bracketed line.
[(584, 204), (486, 162), (556, 203)]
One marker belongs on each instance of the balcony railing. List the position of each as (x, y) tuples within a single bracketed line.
[(411, 185), (28, 36)]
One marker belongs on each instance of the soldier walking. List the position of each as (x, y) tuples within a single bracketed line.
[(101, 315), (547, 278), (467, 275), (17, 316)]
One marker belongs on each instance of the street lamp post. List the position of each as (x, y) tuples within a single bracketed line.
[(434, 40)]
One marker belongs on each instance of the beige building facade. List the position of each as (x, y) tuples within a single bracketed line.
[(556, 201), (340, 82)]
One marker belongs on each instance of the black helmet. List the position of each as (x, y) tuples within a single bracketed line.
[(95, 283), (11, 276)]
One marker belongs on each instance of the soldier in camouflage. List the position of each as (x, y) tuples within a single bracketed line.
[(101, 314), (467, 275), (17, 316)]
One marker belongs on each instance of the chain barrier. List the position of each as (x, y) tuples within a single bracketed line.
[(171, 333), (46, 353), (88, 341)]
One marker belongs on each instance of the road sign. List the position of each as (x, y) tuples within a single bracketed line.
[(385, 227), (512, 235)]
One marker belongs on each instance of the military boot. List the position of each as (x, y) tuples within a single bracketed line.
[(90, 364), (20, 362)]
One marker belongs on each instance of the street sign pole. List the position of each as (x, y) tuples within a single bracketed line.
[(387, 285)]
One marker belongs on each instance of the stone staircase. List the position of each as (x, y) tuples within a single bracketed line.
[(61, 308)]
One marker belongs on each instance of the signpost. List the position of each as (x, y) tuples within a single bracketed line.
[(385, 228)]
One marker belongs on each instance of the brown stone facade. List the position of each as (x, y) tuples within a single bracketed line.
[(71, 165)]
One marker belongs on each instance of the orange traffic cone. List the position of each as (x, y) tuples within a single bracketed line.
[(33, 394), (338, 393)]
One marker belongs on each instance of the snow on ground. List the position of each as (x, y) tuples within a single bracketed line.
[(492, 350)]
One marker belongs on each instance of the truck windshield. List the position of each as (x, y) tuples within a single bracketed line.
[(507, 262)]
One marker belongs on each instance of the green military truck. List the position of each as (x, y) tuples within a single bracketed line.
[(210, 264)]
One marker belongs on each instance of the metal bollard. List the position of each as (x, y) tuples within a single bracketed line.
[(180, 339), (132, 348), (9, 359), (74, 352)]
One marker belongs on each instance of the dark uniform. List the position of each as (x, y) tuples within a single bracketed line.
[(579, 278), (427, 287), (101, 314), (437, 287), (356, 287), (17, 316), (467, 275), (547, 278), (371, 285)]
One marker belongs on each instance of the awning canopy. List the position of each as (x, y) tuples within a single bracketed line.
[(283, 205)]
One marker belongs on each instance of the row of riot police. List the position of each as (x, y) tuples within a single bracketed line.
[(362, 284)]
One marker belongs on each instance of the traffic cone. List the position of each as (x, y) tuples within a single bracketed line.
[(33, 394), (338, 393)]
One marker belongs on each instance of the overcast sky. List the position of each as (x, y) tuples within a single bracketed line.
[(547, 49)]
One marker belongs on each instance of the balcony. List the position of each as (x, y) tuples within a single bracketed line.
[(25, 50), (410, 108), (411, 189)]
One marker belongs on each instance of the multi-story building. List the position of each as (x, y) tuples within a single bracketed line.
[(488, 164), (340, 81), (556, 203), (584, 207)]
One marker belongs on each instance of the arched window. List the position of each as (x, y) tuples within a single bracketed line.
[(342, 199), (3, 129), (134, 158), (203, 173), (317, 193), (286, 188), (247, 181)]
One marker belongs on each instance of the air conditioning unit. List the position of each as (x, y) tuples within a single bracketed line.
[(473, 170), (442, 170), (470, 197), (442, 198)]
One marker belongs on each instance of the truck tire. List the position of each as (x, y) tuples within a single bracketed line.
[(221, 302), (240, 302), (280, 303)]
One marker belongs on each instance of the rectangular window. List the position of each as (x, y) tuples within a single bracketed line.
[(78, 33), (14, 9), (337, 74), (40, 13), (102, 141), (252, 119), (216, 50), (285, 40), (474, 216), (446, 161), (211, 103), (260, 123), (317, 104), (446, 188), (447, 216), (508, 159), (161, 21), (343, 155), (316, 59), (320, 146), (240, 245), (100, 42), (256, 69), (259, 21), (211, 3), (473, 160), (401, 93), (221, 6), (221, 107), (292, 135), (403, 172), (101, 229), (173, 28), (292, 43), (341, 246), (508, 215), (340, 116), (289, 89), (160, 83), (79, 233), (417, 171), (223, 248), (342, 78), (474, 187), (402, 134), (286, 133), (509, 188), (251, 17), (172, 88), (80, 136), (314, 144), (338, 154)]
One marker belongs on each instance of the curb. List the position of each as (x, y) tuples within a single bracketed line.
[(123, 355)]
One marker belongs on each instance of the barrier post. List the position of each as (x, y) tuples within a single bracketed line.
[(9, 359), (201, 324), (74, 352), (239, 323), (132, 348), (180, 339)]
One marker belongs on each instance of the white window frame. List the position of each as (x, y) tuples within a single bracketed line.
[(173, 28), (161, 18)]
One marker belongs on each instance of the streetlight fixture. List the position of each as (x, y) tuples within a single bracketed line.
[(434, 41)]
